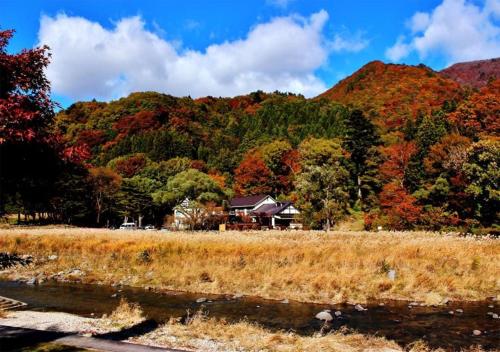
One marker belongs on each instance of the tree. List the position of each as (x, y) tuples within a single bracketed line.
[(136, 198), (321, 185), (25, 107), (29, 159), (360, 139), (397, 157), (105, 183), (482, 171), (252, 176), (399, 207), (190, 184), (448, 155)]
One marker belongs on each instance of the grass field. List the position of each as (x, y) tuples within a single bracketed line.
[(304, 266)]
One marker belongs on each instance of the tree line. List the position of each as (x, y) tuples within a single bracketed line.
[(95, 163)]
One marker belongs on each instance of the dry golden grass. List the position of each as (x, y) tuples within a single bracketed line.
[(201, 333), (305, 266), (125, 315)]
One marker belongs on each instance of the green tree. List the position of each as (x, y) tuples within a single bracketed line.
[(321, 185), (483, 174), (105, 183), (135, 198), (191, 184), (360, 139)]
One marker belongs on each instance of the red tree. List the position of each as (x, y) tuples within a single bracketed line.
[(397, 158), (252, 176), (25, 106), (400, 207)]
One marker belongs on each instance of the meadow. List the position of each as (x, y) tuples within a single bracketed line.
[(298, 265)]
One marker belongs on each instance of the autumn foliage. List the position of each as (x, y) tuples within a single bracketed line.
[(252, 176)]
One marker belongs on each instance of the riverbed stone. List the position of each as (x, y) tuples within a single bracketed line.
[(325, 316), (495, 316), (459, 310), (201, 300), (338, 313), (491, 306), (451, 312), (359, 308), (476, 332), (285, 301)]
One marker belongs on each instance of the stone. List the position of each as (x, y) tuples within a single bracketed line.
[(201, 300), (459, 310), (338, 313), (490, 313), (414, 304), (238, 295), (451, 312), (31, 281), (52, 257), (495, 316), (491, 306), (324, 315), (381, 304), (285, 301), (391, 275), (359, 308), (476, 332), (114, 295)]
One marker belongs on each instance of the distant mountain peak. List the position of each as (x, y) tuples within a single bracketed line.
[(391, 93), (475, 74)]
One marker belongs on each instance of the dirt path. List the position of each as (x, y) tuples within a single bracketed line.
[(65, 329)]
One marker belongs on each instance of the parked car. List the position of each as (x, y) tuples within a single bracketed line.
[(128, 226)]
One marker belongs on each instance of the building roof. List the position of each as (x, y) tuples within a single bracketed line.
[(249, 201), (271, 209)]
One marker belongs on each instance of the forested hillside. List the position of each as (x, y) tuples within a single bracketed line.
[(403, 146)]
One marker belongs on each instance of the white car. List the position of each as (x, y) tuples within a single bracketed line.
[(128, 226)]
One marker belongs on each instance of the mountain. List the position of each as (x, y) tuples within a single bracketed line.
[(475, 74), (391, 93)]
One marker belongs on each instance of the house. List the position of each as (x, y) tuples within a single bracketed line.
[(265, 210), (280, 214), (244, 205)]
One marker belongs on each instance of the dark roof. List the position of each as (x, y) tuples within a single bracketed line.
[(249, 201), (271, 209)]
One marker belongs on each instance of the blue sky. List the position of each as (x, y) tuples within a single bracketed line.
[(106, 49)]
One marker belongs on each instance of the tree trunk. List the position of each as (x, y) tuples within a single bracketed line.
[(359, 189)]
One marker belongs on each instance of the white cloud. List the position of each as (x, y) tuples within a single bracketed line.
[(89, 60), (350, 43), (398, 50), (279, 3), (457, 29)]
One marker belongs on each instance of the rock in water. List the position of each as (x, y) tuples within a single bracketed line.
[(338, 313), (201, 300), (359, 308), (324, 315), (476, 332)]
